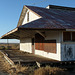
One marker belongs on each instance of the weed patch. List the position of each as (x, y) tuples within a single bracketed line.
[(49, 71)]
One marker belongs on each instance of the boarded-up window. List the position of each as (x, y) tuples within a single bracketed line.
[(73, 36), (45, 45), (50, 46), (66, 36)]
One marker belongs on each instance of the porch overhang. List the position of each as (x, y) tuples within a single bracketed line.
[(13, 34), (20, 33)]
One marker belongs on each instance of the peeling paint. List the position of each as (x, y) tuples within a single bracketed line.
[(68, 52)]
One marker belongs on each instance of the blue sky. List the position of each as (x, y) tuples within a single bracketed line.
[(10, 11)]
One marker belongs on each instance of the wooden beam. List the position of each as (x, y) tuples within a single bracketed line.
[(12, 37), (40, 33), (27, 33), (15, 35)]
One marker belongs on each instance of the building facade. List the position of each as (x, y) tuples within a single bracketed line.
[(49, 32)]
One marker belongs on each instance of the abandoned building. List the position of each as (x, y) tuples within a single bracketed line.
[(49, 32)]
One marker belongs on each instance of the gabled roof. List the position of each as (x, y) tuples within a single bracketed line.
[(52, 18), (22, 16)]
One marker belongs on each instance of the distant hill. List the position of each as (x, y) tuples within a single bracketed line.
[(9, 43)]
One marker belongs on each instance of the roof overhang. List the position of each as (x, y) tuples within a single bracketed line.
[(19, 33), (13, 34)]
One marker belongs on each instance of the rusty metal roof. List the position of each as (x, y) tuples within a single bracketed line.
[(52, 19)]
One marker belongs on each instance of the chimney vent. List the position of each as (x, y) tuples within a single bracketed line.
[(60, 7)]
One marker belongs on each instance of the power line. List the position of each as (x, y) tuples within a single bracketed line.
[(38, 2)]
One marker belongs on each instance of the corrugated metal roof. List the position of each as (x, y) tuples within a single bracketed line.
[(52, 19)]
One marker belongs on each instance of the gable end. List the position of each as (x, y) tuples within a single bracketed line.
[(23, 13)]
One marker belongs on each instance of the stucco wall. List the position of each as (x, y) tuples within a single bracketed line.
[(32, 17), (52, 35), (26, 45)]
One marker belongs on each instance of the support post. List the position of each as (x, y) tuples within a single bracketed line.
[(7, 43)]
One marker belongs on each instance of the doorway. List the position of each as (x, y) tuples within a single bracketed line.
[(33, 46)]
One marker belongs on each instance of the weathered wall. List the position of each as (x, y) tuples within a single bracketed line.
[(26, 45), (68, 51), (52, 35), (32, 17)]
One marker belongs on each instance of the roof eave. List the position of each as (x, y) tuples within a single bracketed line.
[(6, 36), (42, 28)]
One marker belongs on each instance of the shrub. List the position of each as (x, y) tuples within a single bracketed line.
[(2, 47), (9, 48), (49, 71)]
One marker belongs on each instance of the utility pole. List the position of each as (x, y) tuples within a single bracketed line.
[(7, 43)]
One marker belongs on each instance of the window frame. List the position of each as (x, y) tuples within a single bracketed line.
[(71, 37)]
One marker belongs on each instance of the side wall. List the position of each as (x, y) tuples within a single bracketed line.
[(52, 35), (68, 49), (26, 45)]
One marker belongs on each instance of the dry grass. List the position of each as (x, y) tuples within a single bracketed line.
[(13, 46), (49, 71), (17, 69), (4, 65), (12, 70)]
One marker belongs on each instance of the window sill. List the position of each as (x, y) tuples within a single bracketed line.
[(68, 42)]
